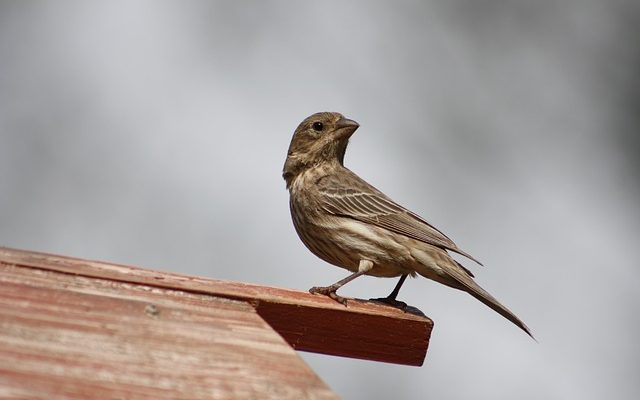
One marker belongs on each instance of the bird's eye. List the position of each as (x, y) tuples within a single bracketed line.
[(317, 126)]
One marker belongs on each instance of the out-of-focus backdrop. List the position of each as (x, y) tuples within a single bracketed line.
[(154, 133)]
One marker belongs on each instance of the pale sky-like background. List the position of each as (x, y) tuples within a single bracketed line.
[(153, 133)]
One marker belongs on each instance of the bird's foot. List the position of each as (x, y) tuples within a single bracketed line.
[(329, 291), (391, 301)]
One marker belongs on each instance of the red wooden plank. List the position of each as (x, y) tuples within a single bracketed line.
[(308, 322), (67, 336)]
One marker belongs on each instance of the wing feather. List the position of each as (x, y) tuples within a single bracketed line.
[(369, 205)]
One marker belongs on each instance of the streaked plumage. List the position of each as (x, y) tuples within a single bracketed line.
[(349, 223)]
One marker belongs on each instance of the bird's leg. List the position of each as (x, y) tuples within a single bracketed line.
[(364, 267), (391, 298), (396, 289)]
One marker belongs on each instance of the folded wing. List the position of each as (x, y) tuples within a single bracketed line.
[(362, 202)]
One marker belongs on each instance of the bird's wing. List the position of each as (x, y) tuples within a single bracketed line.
[(360, 201)]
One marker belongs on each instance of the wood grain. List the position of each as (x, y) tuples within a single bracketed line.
[(307, 322), (65, 336)]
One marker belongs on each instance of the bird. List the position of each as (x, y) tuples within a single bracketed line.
[(347, 222)]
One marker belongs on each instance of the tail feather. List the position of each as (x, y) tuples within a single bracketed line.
[(470, 286), (495, 305), (437, 264)]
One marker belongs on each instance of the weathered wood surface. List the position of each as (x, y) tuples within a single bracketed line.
[(66, 336), (307, 322)]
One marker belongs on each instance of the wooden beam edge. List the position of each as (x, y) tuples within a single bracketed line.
[(307, 322)]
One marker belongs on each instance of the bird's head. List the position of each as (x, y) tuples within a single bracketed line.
[(320, 138)]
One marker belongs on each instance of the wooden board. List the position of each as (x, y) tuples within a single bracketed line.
[(308, 322), (69, 336)]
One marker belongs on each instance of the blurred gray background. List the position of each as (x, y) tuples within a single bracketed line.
[(154, 133)]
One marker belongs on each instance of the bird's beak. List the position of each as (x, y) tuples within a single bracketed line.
[(346, 127)]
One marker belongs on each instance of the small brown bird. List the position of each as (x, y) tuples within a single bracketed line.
[(347, 222)]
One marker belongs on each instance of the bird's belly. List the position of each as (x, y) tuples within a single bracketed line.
[(344, 242)]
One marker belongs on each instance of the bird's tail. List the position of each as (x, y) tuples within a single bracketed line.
[(467, 284), (457, 276), (479, 293)]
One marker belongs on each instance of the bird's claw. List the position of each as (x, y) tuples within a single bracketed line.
[(329, 291), (391, 301)]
